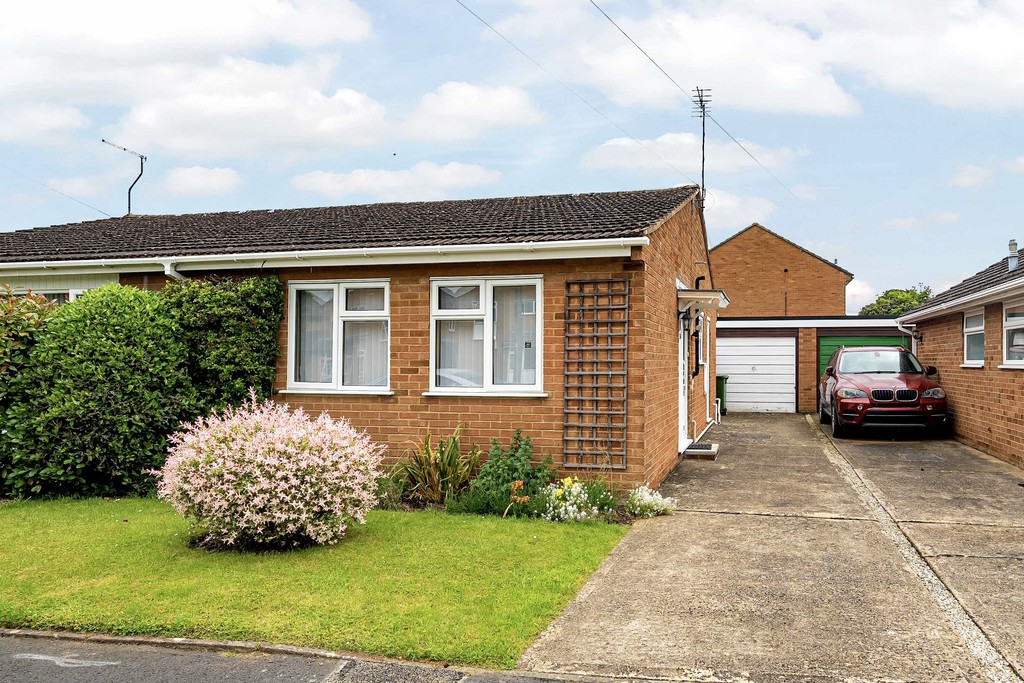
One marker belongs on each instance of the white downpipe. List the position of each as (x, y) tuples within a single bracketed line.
[(910, 333)]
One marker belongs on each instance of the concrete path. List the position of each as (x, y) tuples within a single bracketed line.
[(790, 560)]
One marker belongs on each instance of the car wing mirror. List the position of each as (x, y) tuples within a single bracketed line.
[(830, 371), (930, 370)]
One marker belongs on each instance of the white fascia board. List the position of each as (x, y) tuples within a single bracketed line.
[(454, 253), (776, 323), (1004, 290)]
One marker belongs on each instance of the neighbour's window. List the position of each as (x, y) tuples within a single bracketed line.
[(339, 335), (1013, 333), (974, 337), (486, 335)]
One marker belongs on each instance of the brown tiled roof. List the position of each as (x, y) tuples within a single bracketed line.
[(996, 274), (476, 221)]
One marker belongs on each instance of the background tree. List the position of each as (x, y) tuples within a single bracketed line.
[(893, 302)]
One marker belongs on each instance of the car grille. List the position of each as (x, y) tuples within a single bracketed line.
[(895, 417), (906, 394), (882, 394)]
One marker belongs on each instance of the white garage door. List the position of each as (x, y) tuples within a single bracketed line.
[(762, 373)]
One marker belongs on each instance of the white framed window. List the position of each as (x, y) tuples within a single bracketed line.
[(1013, 334), (60, 297), (974, 338), (486, 335), (339, 336)]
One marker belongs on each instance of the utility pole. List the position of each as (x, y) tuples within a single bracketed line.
[(702, 99)]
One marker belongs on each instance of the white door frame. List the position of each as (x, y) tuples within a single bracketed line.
[(684, 382)]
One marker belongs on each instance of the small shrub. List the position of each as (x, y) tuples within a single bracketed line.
[(490, 492), (391, 490), (230, 331), (433, 474), (261, 476), (644, 502), (21, 318), (572, 500), (104, 384)]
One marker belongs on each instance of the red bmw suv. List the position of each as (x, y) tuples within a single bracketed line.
[(880, 386)]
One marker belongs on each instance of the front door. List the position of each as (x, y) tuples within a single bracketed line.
[(684, 383)]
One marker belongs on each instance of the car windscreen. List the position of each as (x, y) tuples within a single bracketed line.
[(853, 362)]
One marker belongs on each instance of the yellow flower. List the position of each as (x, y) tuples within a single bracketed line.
[(567, 482), (558, 492)]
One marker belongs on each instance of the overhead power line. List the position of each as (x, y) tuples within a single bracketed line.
[(690, 97), (576, 94), (53, 189)]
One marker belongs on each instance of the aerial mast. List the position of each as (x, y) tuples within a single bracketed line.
[(142, 165)]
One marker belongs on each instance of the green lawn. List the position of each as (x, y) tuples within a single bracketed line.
[(417, 585)]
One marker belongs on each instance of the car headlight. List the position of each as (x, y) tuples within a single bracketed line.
[(937, 392), (851, 393)]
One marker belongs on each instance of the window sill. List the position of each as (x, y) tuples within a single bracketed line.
[(486, 394), (972, 365), (1011, 366), (383, 391)]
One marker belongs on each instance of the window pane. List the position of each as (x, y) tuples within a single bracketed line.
[(365, 362), (1015, 312), (314, 335), (975, 344), (458, 298), (1015, 345), (460, 356), (369, 299), (515, 335), (973, 321), (61, 298)]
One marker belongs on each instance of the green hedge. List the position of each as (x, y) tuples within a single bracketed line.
[(230, 331), (21, 318), (104, 384)]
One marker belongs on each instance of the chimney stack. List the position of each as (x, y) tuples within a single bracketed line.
[(1013, 261)]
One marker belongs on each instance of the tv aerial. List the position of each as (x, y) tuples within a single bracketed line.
[(142, 168)]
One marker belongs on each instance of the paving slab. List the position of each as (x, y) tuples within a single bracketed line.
[(967, 540), (739, 597), (812, 489), (990, 590), (906, 453)]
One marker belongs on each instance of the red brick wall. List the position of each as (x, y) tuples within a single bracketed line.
[(677, 250), (807, 370), (764, 275), (988, 402)]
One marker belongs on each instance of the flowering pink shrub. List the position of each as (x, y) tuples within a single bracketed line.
[(263, 476)]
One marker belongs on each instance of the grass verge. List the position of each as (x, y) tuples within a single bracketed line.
[(417, 585)]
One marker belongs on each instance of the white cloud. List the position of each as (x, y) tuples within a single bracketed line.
[(946, 217), (421, 182), (244, 108), (726, 211), (1014, 165), (970, 175), (858, 295), (681, 150), (98, 183), (784, 56), (906, 223), (200, 181), (39, 124), (461, 111)]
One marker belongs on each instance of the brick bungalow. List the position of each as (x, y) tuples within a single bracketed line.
[(974, 334), (787, 316), (587, 320)]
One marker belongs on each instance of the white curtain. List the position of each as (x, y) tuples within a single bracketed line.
[(314, 335), (515, 335)]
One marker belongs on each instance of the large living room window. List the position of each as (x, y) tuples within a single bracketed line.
[(486, 335), (974, 337), (1013, 334), (339, 336)]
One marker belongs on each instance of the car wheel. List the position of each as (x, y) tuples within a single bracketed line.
[(838, 430), (822, 415)]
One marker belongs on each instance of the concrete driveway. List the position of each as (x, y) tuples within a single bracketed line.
[(793, 559)]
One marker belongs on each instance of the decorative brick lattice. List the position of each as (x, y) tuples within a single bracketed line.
[(596, 345)]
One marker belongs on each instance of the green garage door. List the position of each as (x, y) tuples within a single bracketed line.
[(826, 345)]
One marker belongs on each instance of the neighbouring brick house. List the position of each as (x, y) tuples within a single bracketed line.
[(587, 320), (786, 317), (974, 334)]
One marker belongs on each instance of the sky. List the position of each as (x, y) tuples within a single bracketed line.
[(887, 136)]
